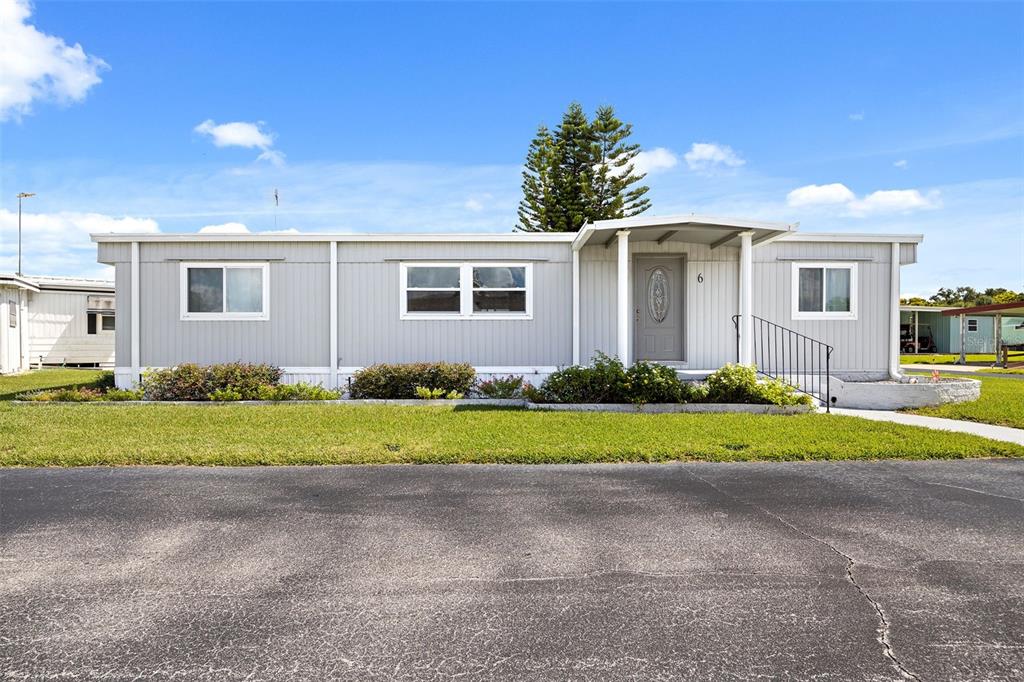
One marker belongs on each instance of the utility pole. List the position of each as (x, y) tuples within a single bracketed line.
[(21, 195)]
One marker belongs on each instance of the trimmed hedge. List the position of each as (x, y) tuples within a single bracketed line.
[(230, 381), (607, 381), (393, 382)]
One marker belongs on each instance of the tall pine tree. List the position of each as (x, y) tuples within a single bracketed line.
[(580, 173)]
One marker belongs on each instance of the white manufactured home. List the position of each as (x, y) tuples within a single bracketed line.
[(55, 321), (690, 291)]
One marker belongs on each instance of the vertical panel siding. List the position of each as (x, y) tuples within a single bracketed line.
[(861, 344), (123, 306), (369, 298), (58, 330), (296, 335)]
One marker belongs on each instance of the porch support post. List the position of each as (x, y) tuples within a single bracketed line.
[(332, 377), (917, 332), (746, 298), (894, 312), (998, 333), (136, 324), (623, 291), (575, 306), (962, 360)]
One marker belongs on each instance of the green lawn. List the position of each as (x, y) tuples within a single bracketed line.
[(87, 434), (944, 358), (11, 386), (1001, 402)]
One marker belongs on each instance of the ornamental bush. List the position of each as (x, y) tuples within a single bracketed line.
[(501, 387), (739, 384), (387, 381), (194, 382), (297, 391)]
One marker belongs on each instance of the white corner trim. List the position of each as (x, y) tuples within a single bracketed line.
[(575, 307), (187, 316), (894, 313), (333, 315), (623, 304), (797, 314), (136, 307), (465, 290)]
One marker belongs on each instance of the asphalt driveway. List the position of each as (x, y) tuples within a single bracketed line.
[(839, 570)]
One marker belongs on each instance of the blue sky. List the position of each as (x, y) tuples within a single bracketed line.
[(416, 117)]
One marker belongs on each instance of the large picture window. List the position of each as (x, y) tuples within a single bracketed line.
[(824, 291), (224, 291), (466, 291)]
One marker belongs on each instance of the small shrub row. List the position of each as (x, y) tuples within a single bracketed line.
[(393, 382), (229, 381), (607, 381), (277, 393)]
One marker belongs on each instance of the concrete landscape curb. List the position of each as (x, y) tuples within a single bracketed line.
[(650, 408)]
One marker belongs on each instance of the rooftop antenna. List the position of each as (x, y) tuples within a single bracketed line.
[(277, 202)]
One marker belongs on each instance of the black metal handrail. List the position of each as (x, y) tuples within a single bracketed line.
[(797, 359)]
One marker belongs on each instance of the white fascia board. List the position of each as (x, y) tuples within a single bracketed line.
[(691, 219), (17, 282), (852, 237), (515, 237)]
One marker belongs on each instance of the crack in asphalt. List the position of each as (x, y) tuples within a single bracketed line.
[(973, 490), (883, 622)]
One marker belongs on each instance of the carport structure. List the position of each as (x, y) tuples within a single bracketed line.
[(996, 310)]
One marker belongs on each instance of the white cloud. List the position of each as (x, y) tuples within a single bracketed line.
[(881, 201), (820, 195), (242, 134), (895, 201), (225, 228), (36, 66), (708, 156), (473, 205), (858, 116), (654, 160), (59, 243), (902, 163)]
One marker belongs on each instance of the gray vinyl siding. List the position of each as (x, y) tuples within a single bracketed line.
[(861, 344), (296, 335), (123, 307), (369, 297)]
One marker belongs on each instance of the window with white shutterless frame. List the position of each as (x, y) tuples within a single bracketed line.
[(225, 291), (824, 291), (466, 291)]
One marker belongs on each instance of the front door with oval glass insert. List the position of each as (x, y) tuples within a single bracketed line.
[(658, 308)]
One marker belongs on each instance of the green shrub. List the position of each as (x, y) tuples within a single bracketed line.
[(224, 395), (501, 387), (118, 394), (424, 393), (739, 384), (400, 381), (193, 382), (604, 381), (649, 382), (533, 394), (297, 391), (245, 378), (77, 394)]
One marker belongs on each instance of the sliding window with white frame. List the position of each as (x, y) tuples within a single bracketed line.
[(225, 291), (466, 291), (824, 291)]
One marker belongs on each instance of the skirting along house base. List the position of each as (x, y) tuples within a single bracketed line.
[(665, 289)]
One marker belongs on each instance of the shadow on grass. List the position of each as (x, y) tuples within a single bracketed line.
[(489, 408), (53, 380)]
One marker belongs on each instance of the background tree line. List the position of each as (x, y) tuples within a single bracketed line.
[(966, 297)]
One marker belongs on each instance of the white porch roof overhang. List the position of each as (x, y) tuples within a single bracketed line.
[(694, 229)]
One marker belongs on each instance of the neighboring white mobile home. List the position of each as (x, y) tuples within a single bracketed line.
[(693, 292), (56, 321)]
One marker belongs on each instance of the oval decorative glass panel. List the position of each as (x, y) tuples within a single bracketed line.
[(657, 295)]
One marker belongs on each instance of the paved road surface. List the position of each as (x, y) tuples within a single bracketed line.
[(846, 571)]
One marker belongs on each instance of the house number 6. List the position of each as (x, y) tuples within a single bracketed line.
[(700, 278)]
